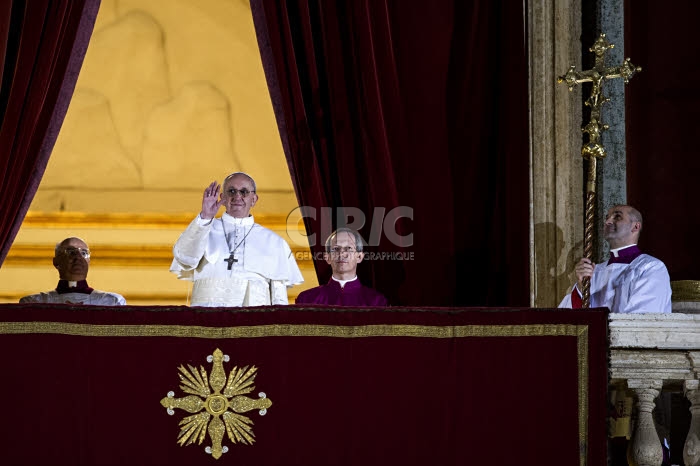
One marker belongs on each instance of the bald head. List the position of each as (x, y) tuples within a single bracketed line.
[(634, 214), (72, 259), (623, 225)]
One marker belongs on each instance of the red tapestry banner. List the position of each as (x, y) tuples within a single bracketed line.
[(302, 386)]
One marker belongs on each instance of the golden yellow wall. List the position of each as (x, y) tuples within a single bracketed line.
[(171, 96)]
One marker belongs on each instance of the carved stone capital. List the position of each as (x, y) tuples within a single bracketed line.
[(636, 366), (645, 386)]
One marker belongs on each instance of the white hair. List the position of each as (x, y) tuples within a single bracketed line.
[(243, 174), (358, 238)]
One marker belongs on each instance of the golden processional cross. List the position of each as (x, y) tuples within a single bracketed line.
[(593, 149)]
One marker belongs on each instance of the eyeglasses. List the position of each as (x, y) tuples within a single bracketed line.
[(231, 192), (340, 249), (70, 252)]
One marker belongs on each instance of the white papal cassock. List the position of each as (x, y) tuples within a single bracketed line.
[(630, 282), (263, 269)]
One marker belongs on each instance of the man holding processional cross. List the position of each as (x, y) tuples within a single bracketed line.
[(630, 282)]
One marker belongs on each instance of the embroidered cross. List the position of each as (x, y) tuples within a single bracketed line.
[(230, 261)]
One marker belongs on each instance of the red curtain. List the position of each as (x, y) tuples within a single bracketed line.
[(393, 104), (662, 108), (42, 45)]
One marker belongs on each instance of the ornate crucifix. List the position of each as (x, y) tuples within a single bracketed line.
[(593, 149)]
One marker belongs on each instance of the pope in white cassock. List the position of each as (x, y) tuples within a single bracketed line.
[(232, 260), (630, 282)]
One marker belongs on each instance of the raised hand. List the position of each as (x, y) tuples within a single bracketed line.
[(211, 201)]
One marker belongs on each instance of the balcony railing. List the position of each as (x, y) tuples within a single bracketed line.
[(651, 353)]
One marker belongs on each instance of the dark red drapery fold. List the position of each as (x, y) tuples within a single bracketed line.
[(661, 114), (42, 44), (383, 105)]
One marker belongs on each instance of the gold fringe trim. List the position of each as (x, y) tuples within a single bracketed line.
[(293, 330)]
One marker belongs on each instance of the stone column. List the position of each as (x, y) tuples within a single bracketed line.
[(646, 447), (612, 180), (556, 180)]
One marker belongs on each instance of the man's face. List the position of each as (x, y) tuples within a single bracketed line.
[(232, 195), (344, 257), (620, 228), (70, 260)]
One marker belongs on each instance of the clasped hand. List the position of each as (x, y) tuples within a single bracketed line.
[(584, 269)]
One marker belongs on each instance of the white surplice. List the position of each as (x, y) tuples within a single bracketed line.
[(642, 286), (96, 298)]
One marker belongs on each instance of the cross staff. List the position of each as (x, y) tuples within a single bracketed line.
[(593, 149)]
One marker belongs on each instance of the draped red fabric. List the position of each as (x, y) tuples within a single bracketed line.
[(661, 112), (416, 117), (42, 44), (349, 387)]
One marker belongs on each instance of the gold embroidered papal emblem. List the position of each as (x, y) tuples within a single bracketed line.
[(217, 409)]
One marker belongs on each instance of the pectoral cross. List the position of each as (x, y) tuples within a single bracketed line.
[(230, 261), (593, 149)]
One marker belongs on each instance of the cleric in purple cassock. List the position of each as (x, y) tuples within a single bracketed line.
[(343, 253)]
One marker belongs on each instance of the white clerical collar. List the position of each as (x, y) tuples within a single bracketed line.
[(343, 282), (245, 221), (72, 284), (616, 252)]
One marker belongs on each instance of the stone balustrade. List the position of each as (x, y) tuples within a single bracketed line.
[(651, 353)]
